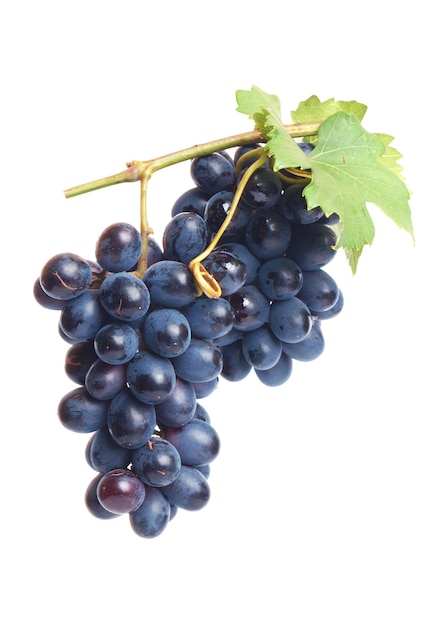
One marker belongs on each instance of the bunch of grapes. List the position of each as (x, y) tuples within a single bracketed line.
[(145, 347)]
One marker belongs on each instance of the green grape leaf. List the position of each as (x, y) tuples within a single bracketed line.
[(279, 144), (313, 110), (391, 156), (250, 101), (349, 171), (265, 110)]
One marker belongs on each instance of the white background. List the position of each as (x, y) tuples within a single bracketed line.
[(325, 495)]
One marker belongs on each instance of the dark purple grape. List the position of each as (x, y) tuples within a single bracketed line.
[(319, 290), (197, 442), (179, 407), (157, 463), (201, 413), (65, 276), (203, 390), (118, 247), (185, 237), (233, 335), (306, 146), (116, 343), (309, 348), (46, 301), (209, 318), (334, 310), (217, 210), (261, 348), (193, 200), (120, 491), (251, 308), (166, 332), (293, 206), (201, 362), (190, 489), (153, 515), (82, 413), (245, 256), (212, 173), (290, 320), (154, 251), (263, 189), (151, 378), (103, 381), (130, 422), (79, 358), (170, 284), (268, 234), (124, 296), (278, 374), (83, 316), (279, 278), (227, 269), (93, 504), (312, 246), (104, 454), (235, 366)]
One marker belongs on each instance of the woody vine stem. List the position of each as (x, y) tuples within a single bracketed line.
[(141, 171)]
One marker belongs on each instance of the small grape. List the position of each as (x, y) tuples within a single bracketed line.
[(104, 454), (82, 413), (124, 296), (197, 442), (227, 269), (278, 374), (251, 308), (116, 343), (179, 407), (118, 247), (103, 380), (312, 246), (166, 332), (65, 276), (151, 378), (193, 200), (130, 422), (170, 284), (290, 320), (267, 234), (212, 173), (201, 362), (185, 237), (83, 316), (151, 518), (189, 490), (79, 358), (92, 502), (319, 290), (157, 462), (263, 189), (120, 491)]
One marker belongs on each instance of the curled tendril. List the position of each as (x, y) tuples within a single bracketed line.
[(205, 281)]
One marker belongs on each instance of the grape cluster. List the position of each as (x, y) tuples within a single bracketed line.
[(145, 349)]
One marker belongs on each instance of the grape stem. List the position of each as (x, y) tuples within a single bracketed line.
[(137, 169), (145, 229), (143, 170)]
